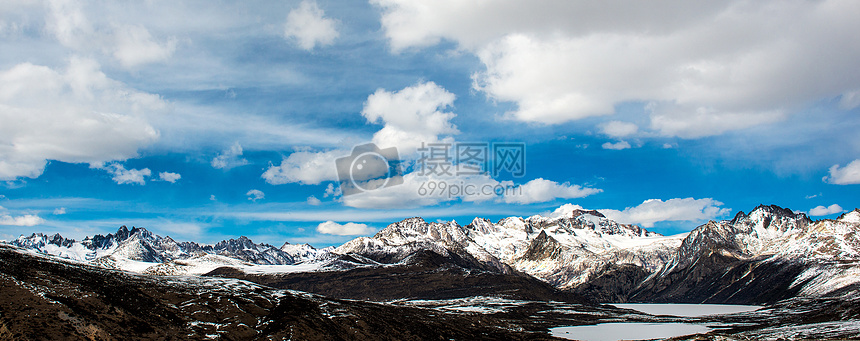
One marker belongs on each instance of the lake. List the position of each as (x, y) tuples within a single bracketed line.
[(646, 330), (687, 310)]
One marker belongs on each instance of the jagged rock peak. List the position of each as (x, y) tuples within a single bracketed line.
[(578, 212), (769, 213), (124, 233), (542, 247), (481, 225)]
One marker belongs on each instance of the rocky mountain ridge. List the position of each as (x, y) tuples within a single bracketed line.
[(769, 254), (140, 245)]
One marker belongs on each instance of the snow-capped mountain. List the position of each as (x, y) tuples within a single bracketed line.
[(564, 251), (769, 254), (137, 249)]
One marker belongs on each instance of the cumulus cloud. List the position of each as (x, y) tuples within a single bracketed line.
[(76, 115), (313, 201), (655, 210), (60, 211), (620, 145), (708, 68), (169, 177), (619, 128), (331, 191), (21, 220), (848, 175), (411, 116), (821, 210), (424, 190), (542, 190), (255, 194), (309, 168), (127, 176), (564, 210), (309, 27), (419, 190), (230, 158), (348, 229)]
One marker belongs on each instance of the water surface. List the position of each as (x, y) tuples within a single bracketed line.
[(628, 331), (648, 330), (687, 310)]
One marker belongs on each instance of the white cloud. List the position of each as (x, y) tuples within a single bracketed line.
[(821, 210), (305, 168), (425, 190), (348, 229), (331, 191), (564, 210), (691, 122), (418, 190), (169, 177), (619, 128), (69, 24), (308, 26), (212, 197), (711, 68), (313, 201), (135, 46), (76, 115), (230, 158), (655, 210), (255, 194), (542, 190), (813, 196), (126, 176), (131, 45), (22, 220), (620, 145), (411, 116), (60, 211), (848, 175)]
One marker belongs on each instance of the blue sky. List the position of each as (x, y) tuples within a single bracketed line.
[(209, 120)]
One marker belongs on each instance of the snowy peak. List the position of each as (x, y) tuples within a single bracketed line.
[(772, 217), (303, 252), (417, 230), (237, 245), (562, 250), (140, 245), (38, 240), (852, 217), (762, 231)]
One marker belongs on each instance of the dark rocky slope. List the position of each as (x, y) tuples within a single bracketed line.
[(47, 299), (424, 275)]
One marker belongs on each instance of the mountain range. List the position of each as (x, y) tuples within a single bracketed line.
[(512, 279), (764, 256)]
